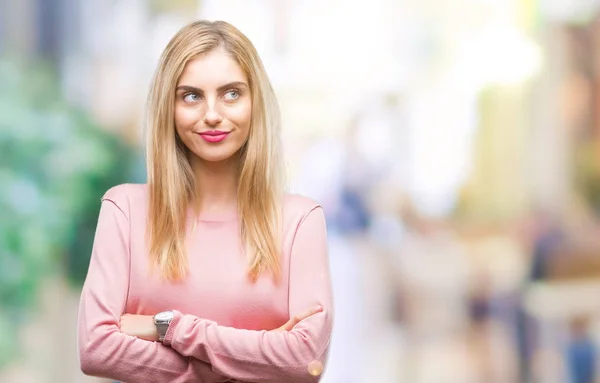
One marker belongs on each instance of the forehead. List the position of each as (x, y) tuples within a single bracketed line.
[(211, 70)]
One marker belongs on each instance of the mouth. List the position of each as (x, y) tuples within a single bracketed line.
[(214, 135)]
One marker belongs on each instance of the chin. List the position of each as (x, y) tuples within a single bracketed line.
[(214, 160), (215, 157)]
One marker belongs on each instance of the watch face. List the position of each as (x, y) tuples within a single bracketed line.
[(164, 316)]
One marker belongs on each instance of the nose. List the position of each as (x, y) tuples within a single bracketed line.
[(212, 117)]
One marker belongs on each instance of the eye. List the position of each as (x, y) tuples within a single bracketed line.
[(232, 94), (191, 97)]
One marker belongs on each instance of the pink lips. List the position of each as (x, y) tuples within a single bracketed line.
[(214, 135)]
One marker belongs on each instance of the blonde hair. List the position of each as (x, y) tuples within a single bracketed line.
[(171, 184)]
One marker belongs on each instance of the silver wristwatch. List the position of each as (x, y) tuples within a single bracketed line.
[(162, 321)]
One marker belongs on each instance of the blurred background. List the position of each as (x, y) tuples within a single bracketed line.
[(455, 146)]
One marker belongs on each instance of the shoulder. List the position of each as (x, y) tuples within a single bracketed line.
[(297, 207), (303, 218), (126, 196)]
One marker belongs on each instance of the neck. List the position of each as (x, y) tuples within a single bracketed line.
[(217, 186)]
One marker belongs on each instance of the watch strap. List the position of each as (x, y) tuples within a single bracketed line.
[(162, 328)]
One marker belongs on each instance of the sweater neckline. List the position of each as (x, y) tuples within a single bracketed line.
[(213, 217)]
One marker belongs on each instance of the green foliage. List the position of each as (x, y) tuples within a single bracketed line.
[(55, 164)]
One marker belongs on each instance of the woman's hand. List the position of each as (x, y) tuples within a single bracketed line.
[(140, 326), (296, 319)]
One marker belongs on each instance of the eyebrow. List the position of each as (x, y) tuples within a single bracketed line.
[(235, 84)]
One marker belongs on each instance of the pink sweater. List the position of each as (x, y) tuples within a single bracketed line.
[(219, 332)]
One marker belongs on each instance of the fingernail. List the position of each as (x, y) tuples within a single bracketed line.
[(319, 308)]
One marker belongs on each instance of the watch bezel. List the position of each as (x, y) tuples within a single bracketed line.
[(163, 317)]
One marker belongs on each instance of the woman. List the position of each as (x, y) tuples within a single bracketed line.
[(194, 276)]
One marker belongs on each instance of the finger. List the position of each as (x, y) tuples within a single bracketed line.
[(287, 326), (312, 311), (282, 328), (316, 309), (297, 318)]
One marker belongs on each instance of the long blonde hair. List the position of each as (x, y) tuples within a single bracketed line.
[(171, 184)]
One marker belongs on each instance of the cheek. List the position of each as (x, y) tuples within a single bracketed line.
[(241, 115), (185, 118)]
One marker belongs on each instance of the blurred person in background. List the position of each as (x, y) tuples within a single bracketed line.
[(195, 276), (581, 353)]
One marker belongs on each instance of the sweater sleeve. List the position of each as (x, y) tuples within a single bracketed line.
[(294, 356), (104, 351)]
